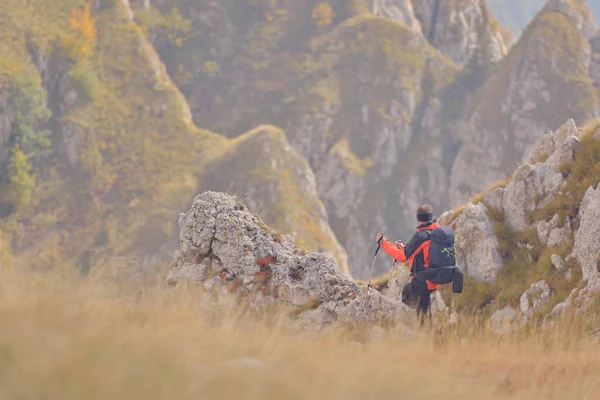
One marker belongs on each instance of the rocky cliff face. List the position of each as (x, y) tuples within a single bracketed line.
[(391, 103), (459, 29), (530, 238), (520, 102), (400, 11), (122, 153), (229, 252), (262, 168)]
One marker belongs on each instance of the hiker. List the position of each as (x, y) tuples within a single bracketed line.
[(417, 253)]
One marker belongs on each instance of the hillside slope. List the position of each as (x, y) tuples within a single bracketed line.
[(548, 77), (535, 234), (98, 151), (355, 86)]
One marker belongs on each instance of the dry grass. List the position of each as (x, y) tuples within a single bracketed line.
[(64, 338), (591, 126), (380, 282), (454, 214), (501, 183)]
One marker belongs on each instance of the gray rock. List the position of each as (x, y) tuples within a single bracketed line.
[(553, 235), (546, 144), (460, 29), (503, 321), (582, 15), (398, 282), (476, 244), (399, 10), (531, 186), (587, 244), (493, 199), (535, 297), (519, 197), (453, 319), (542, 148), (218, 231), (558, 263)]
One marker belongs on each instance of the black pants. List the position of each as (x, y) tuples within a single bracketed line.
[(419, 297)]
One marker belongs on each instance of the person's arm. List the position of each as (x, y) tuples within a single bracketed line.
[(393, 251)]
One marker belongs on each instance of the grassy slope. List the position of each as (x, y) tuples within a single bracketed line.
[(554, 46), (69, 339), (138, 153), (282, 68), (258, 47), (525, 266), (133, 170)]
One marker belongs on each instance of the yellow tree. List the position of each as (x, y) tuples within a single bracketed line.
[(21, 180), (80, 39), (323, 14)]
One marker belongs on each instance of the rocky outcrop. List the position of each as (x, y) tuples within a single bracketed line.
[(503, 320), (547, 226), (551, 234), (230, 252), (578, 11), (533, 185), (476, 244), (509, 113), (277, 183), (535, 297), (587, 237), (460, 28), (398, 10)]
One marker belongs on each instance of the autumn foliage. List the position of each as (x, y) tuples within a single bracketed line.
[(323, 14), (80, 40)]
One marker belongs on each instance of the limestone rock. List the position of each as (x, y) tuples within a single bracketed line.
[(553, 235), (587, 243), (502, 321), (535, 297), (558, 263), (505, 119), (251, 260), (399, 10), (546, 144), (276, 182), (581, 14), (533, 185), (520, 197), (476, 244), (458, 28), (493, 199)]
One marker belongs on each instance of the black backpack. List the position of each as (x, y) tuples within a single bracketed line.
[(442, 260)]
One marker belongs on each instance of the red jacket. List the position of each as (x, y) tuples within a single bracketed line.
[(416, 251)]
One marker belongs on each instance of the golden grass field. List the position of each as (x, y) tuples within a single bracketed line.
[(68, 338)]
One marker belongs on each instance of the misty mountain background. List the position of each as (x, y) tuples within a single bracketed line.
[(332, 120)]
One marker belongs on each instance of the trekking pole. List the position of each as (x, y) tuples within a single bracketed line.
[(391, 270), (373, 265), (372, 269)]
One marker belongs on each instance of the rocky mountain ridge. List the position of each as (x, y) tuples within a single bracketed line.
[(391, 104), (531, 240), (230, 253), (445, 90)]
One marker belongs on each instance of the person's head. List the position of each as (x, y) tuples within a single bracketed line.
[(424, 213)]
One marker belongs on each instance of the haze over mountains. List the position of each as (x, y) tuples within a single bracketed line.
[(333, 120), (516, 14)]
